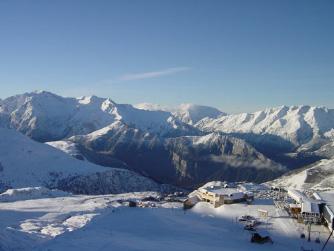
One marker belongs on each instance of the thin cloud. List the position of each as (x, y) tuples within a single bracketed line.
[(152, 74)]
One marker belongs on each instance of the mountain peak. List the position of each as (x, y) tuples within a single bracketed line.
[(151, 107), (41, 93), (192, 113), (85, 100)]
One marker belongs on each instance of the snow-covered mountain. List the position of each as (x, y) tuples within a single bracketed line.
[(26, 163), (185, 161), (188, 113), (201, 159), (302, 127), (318, 176), (45, 116), (163, 143)]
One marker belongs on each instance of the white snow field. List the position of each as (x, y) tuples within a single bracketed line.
[(318, 176), (102, 223)]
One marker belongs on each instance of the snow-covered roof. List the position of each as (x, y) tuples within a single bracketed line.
[(297, 195), (328, 198), (310, 207), (222, 190)]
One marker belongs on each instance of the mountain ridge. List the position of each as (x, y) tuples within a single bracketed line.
[(174, 146), (297, 124), (45, 116)]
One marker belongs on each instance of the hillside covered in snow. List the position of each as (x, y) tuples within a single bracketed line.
[(26, 163), (302, 127), (318, 176)]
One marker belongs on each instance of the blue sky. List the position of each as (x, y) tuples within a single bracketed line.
[(235, 55)]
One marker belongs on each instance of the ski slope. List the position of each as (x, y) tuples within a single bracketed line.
[(102, 223)]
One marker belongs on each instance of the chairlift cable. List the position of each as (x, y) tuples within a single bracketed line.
[(323, 248)]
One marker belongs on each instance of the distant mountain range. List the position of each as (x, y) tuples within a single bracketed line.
[(44, 116), (300, 127), (185, 146)]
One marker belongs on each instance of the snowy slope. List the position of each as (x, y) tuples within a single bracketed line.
[(327, 150), (45, 116), (67, 147), (318, 176), (26, 163), (30, 193), (85, 223), (298, 125), (188, 113)]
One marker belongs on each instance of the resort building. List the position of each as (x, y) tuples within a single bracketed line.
[(304, 208), (327, 208), (310, 212), (218, 196)]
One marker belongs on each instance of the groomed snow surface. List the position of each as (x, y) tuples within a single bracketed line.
[(65, 222)]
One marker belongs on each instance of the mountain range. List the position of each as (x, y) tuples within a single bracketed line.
[(185, 145)]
